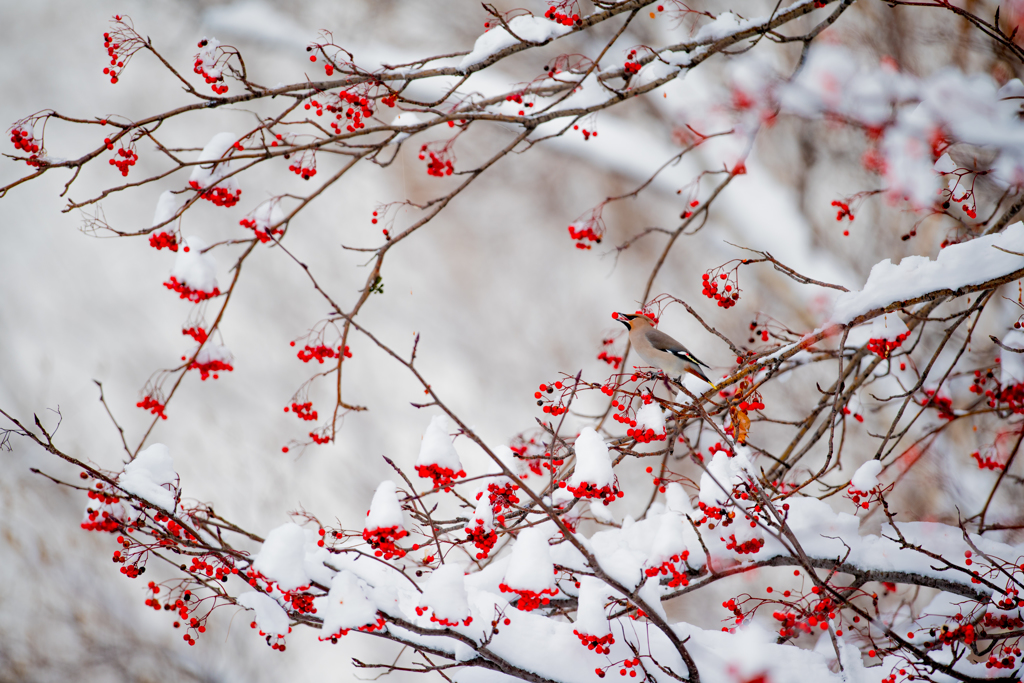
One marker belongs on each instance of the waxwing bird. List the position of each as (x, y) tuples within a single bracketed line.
[(659, 349)]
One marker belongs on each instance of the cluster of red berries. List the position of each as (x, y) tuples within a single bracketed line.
[(750, 547), (25, 141), (210, 367), (610, 359), (856, 496), (263, 236), (599, 644), (883, 347), (555, 14), (443, 477), (669, 568), (529, 600), (980, 380), (713, 513), (964, 633), (717, 446), (155, 590), (164, 240), (483, 538), (608, 494), (439, 165), (659, 482), (376, 626), (173, 528), (500, 496), (253, 577), (515, 97), (303, 411), (366, 110), (302, 170), (518, 99), (320, 352), (101, 520), (319, 440), (942, 403), (102, 497), (586, 133), (275, 642), (726, 298), (988, 462), (383, 541), (218, 195), (1002, 621), (536, 464), (193, 623), (631, 66), (127, 160), (746, 406), (792, 622), (1012, 396), (197, 333), (583, 235), (133, 571), (420, 611), (115, 60), (210, 79), (152, 405), (366, 628), (305, 165), (218, 573), (627, 664), (623, 418), (1007, 661), (553, 410), (358, 110), (193, 295), (301, 602), (1010, 601), (646, 436), (843, 210)]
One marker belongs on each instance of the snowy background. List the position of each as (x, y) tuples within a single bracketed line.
[(502, 300)]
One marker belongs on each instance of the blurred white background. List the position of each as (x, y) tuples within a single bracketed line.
[(501, 297)]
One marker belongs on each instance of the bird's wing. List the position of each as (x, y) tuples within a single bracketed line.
[(662, 342)]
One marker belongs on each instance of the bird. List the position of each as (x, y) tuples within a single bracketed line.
[(660, 350)]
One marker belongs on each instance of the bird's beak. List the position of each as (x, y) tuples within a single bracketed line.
[(624, 318)]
